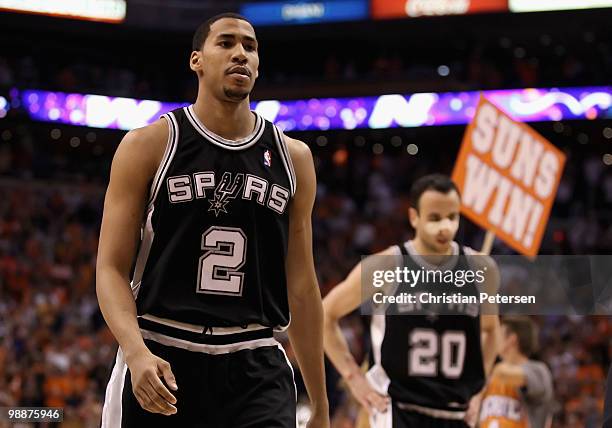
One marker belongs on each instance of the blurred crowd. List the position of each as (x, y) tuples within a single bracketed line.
[(55, 349), (461, 64)]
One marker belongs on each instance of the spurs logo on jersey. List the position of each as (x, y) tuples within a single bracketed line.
[(224, 192), (182, 189)]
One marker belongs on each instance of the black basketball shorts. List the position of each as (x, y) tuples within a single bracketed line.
[(238, 381)]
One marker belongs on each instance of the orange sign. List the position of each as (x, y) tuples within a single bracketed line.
[(508, 176), (383, 9)]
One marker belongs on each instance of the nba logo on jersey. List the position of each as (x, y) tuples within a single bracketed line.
[(267, 158)]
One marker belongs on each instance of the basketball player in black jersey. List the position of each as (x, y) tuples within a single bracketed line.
[(211, 207), (425, 369)]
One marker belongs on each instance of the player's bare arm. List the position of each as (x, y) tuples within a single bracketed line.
[(342, 300), (133, 169), (305, 331), (489, 320)]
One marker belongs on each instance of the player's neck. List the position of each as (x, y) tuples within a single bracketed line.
[(231, 121), (430, 254)]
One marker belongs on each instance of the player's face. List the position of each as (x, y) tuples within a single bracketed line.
[(437, 220), (229, 59)]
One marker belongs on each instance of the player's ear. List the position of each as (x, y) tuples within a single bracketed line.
[(413, 216), (195, 61)]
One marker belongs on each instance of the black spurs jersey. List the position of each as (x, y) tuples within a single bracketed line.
[(431, 360), (216, 228)]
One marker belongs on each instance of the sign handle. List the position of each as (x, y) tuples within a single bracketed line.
[(487, 245)]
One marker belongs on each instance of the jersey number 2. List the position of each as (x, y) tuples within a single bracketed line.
[(427, 347), (225, 254)]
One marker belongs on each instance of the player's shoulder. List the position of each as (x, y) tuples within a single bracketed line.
[(386, 258), (298, 150), (144, 147), (154, 133), (478, 259), (302, 162), (392, 250)]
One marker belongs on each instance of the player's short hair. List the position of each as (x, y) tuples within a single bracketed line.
[(438, 182), (201, 33), (526, 333)]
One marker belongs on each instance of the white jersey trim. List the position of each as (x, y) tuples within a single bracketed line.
[(206, 348), (286, 158), (382, 419), (377, 333), (213, 331), (281, 328), (112, 409), (376, 376), (146, 241), (240, 144), (292, 378), (433, 413), (291, 367), (162, 169), (147, 234)]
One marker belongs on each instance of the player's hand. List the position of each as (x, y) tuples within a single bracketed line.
[(319, 418), (146, 371), (471, 415), (366, 395)]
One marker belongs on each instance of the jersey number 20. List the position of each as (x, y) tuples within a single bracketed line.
[(225, 254), (428, 351)]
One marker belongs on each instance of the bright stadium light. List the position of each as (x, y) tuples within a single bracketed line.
[(545, 5), (93, 10)]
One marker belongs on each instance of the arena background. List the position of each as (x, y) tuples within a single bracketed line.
[(54, 347)]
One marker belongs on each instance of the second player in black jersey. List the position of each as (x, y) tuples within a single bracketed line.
[(426, 365), (434, 360), (208, 216)]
